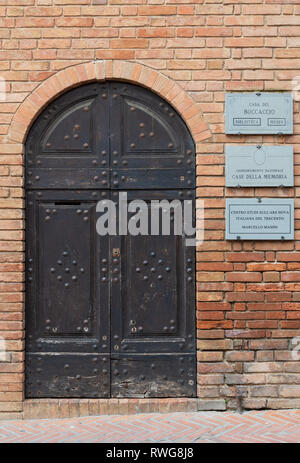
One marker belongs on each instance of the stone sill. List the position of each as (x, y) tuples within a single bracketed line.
[(71, 408)]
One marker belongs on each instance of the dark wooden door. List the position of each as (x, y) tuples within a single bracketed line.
[(107, 316)]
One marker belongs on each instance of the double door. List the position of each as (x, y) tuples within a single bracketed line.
[(107, 315)]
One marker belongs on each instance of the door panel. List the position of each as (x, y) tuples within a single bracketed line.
[(68, 146), (153, 298), (151, 178), (68, 178), (157, 375), (151, 305), (150, 289), (108, 315), (67, 375), (150, 144), (66, 268), (67, 292)]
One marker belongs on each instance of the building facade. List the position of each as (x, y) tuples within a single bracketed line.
[(189, 54)]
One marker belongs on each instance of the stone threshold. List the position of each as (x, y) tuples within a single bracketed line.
[(71, 408)]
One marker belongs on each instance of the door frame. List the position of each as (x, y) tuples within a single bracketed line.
[(79, 74)]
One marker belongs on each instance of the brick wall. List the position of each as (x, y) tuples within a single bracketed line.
[(248, 293)]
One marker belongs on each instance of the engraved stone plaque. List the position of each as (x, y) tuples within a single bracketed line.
[(259, 219), (258, 113), (255, 165)]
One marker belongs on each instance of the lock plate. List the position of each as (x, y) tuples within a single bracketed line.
[(116, 252)]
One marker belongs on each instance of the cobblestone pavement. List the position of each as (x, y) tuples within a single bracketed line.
[(198, 427)]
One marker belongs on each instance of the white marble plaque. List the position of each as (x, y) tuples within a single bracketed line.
[(258, 113), (255, 165), (259, 219)]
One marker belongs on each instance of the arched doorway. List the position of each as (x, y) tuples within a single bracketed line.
[(114, 315)]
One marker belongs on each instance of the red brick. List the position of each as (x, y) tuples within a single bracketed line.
[(245, 256), (156, 10), (245, 276), (241, 296), (129, 43), (213, 31), (244, 42)]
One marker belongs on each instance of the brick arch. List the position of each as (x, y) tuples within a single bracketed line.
[(99, 71)]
